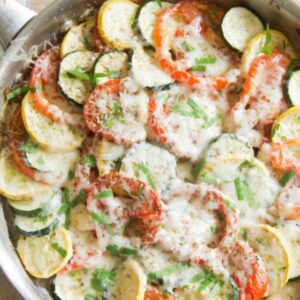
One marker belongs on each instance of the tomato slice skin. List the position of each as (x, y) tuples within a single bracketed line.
[(147, 209), (186, 10), (48, 99), (252, 280)]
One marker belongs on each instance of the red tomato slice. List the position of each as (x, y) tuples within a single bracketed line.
[(48, 98), (106, 112), (248, 271), (153, 294), (141, 204), (286, 156), (186, 11), (262, 91)]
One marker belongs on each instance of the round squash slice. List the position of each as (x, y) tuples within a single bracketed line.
[(45, 256)]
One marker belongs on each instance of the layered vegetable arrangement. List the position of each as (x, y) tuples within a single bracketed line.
[(155, 155)]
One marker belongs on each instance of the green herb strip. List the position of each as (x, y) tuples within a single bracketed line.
[(91, 297), (268, 48), (244, 234), (200, 63), (17, 92), (101, 219), (144, 169), (121, 252), (164, 272), (29, 147), (102, 279), (68, 204), (115, 115), (286, 177), (158, 2), (104, 194), (245, 164), (186, 46), (196, 168), (60, 250), (79, 74), (90, 160), (244, 192)]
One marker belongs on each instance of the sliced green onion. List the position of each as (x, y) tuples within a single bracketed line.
[(164, 272), (104, 194), (102, 279), (144, 169), (100, 218), (239, 189)]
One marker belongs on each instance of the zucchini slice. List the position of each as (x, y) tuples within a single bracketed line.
[(78, 38), (290, 233), (130, 282), (74, 75), (146, 18), (238, 26), (75, 285), (115, 23), (256, 44), (13, 184), (49, 134), (146, 70), (291, 85), (151, 164), (45, 256), (37, 205), (229, 146), (45, 161), (43, 224), (271, 248), (286, 126), (111, 65), (107, 155), (248, 183)]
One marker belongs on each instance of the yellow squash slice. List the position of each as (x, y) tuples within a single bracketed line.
[(266, 241), (115, 22), (45, 256), (13, 184), (256, 44), (131, 282), (51, 135)]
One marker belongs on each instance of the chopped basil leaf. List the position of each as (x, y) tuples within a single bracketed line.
[(199, 276), (275, 129), (213, 10), (124, 227), (79, 74), (244, 234), (206, 60), (61, 251), (71, 175), (40, 160), (81, 197), (212, 121), (199, 68), (229, 204), (164, 272), (104, 194), (90, 160), (29, 147), (286, 177), (245, 164), (120, 252), (100, 218), (186, 46), (144, 169), (17, 92), (190, 109), (205, 283), (115, 115), (239, 189), (90, 297), (268, 47), (158, 2), (244, 192), (109, 73), (196, 168), (213, 229), (102, 279)]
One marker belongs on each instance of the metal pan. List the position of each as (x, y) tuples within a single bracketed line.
[(284, 14)]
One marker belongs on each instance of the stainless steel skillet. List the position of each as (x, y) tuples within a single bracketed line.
[(284, 14)]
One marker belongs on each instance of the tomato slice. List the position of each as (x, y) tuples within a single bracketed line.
[(109, 112), (48, 98), (134, 201), (248, 271), (153, 294), (186, 12), (262, 91), (286, 155)]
